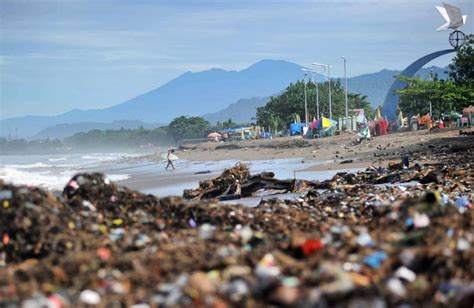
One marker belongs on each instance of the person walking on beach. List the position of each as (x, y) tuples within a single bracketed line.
[(170, 162)]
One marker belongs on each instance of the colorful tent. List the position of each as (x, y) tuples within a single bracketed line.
[(322, 123), (377, 114), (401, 120)]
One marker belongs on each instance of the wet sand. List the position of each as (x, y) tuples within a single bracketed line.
[(152, 178), (288, 157)]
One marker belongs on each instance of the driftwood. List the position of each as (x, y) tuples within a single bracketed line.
[(236, 182)]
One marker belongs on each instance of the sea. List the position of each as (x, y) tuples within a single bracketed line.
[(53, 171)]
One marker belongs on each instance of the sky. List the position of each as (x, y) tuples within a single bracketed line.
[(58, 55)]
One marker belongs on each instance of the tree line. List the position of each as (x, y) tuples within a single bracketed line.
[(453, 94), (280, 111), (183, 127)]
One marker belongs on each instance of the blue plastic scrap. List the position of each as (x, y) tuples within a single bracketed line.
[(375, 259)]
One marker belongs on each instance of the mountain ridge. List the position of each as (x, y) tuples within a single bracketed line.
[(214, 93)]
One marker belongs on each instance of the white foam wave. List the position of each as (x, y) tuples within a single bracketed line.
[(29, 166), (118, 177), (49, 180), (109, 156), (57, 159), (40, 166)]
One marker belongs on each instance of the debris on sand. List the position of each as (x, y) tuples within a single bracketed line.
[(237, 182), (344, 242)]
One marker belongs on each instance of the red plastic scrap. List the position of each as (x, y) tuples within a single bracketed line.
[(311, 246)]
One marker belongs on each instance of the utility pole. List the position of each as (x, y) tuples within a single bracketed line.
[(306, 118), (345, 81), (328, 71), (430, 76), (330, 96), (317, 98), (314, 75)]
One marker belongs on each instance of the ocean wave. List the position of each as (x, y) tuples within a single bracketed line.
[(103, 157), (40, 166), (118, 177), (109, 156), (29, 166), (57, 159), (46, 179)]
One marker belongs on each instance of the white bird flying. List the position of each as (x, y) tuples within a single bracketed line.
[(452, 15)]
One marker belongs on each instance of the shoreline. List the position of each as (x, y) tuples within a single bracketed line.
[(316, 156)]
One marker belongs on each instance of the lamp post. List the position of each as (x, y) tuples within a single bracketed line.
[(313, 75), (345, 82), (306, 119), (431, 108), (430, 78), (317, 97), (328, 71)]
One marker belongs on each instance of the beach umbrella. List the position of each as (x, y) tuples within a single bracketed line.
[(214, 135), (328, 122), (313, 124), (322, 123)]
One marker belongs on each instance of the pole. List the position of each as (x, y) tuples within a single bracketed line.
[(345, 81), (305, 103), (431, 78), (317, 98), (330, 98)]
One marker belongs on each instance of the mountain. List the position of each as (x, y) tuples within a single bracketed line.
[(189, 94), (209, 92), (242, 111), (376, 85), (61, 131)]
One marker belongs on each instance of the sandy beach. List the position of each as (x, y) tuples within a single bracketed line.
[(331, 149), (288, 157)]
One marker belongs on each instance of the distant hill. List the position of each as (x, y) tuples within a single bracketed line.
[(376, 85), (241, 111), (218, 94), (61, 131), (188, 94)]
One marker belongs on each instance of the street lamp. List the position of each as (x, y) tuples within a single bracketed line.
[(314, 73), (431, 78), (327, 69), (345, 81), (306, 119)]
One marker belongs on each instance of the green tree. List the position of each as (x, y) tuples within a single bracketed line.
[(462, 67), (444, 95), (185, 127), (121, 138), (228, 124), (291, 102)]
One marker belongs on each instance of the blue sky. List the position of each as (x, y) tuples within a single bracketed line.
[(57, 55)]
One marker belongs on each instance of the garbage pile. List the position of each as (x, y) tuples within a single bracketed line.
[(344, 242), (236, 182)]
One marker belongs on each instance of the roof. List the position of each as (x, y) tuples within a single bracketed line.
[(469, 109)]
